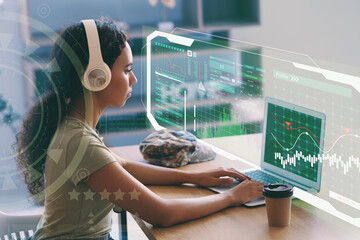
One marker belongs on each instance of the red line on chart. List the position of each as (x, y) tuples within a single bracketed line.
[(172, 65), (347, 134), (288, 124)]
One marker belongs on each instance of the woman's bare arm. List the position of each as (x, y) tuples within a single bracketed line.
[(117, 185), (150, 174)]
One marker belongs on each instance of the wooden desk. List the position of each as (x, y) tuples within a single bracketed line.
[(307, 222)]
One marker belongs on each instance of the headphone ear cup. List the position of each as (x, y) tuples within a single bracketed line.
[(97, 78)]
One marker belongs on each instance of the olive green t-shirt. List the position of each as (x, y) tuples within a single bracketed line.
[(72, 209)]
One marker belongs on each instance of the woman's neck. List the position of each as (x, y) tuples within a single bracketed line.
[(89, 113)]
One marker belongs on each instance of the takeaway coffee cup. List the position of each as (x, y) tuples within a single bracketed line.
[(278, 203)]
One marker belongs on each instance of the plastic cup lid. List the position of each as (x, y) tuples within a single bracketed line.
[(278, 190)]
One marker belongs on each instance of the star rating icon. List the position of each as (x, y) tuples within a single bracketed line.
[(74, 195), (134, 195), (119, 194), (89, 195), (105, 194)]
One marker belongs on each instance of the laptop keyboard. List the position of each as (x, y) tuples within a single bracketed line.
[(263, 177)]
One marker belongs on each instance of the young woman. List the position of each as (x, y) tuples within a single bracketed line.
[(65, 161)]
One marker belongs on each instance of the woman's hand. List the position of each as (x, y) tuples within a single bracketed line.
[(245, 191), (218, 176)]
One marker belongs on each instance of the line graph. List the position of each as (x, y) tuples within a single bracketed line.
[(288, 127), (312, 136), (289, 130), (172, 65), (316, 144), (295, 143)]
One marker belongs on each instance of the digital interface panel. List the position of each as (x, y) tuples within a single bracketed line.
[(197, 88), (218, 90), (293, 141)]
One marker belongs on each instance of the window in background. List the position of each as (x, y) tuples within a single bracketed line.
[(129, 125)]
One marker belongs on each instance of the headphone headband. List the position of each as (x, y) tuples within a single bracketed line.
[(97, 74)]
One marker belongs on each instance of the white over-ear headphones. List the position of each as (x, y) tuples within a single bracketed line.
[(97, 74)]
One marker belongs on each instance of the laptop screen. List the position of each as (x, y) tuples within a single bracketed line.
[(293, 142)]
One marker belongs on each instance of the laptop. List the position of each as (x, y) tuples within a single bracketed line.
[(292, 143)]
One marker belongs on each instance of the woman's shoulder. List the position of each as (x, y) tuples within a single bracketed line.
[(83, 129), (73, 130), (74, 125)]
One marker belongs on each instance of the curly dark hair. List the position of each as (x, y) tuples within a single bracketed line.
[(72, 55)]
